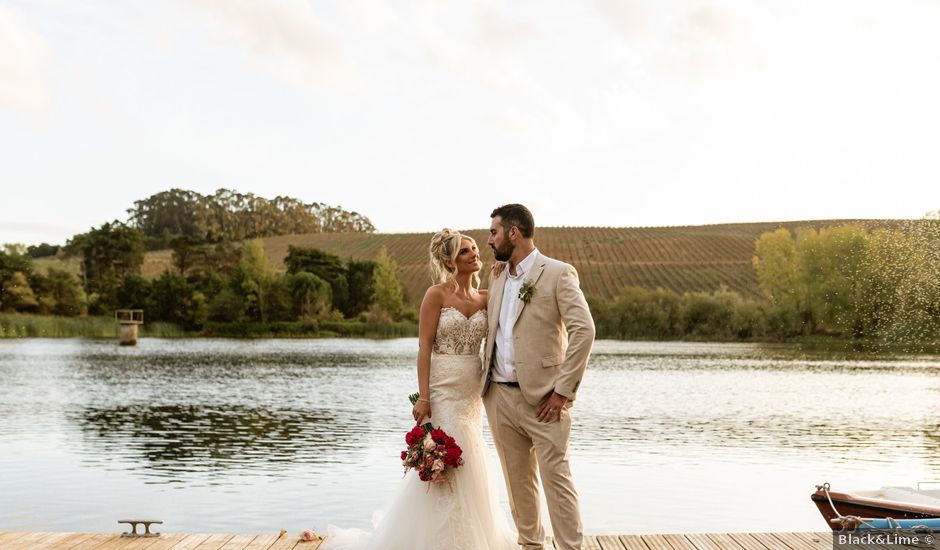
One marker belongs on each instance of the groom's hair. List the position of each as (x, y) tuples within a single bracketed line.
[(516, 215)]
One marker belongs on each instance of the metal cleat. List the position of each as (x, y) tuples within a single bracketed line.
[(133, 523)]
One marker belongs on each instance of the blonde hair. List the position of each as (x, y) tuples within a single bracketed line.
[(444, 249)]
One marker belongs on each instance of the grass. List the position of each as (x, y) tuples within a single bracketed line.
[(23, 325)]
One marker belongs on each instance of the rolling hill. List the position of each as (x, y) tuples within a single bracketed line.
[(682, 259)]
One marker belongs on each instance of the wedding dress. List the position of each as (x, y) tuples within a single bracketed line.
[(463, 512)]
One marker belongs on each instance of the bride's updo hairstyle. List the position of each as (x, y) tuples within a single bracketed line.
[(445, 246)]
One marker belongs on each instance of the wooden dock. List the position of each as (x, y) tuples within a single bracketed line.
[(290, 541)]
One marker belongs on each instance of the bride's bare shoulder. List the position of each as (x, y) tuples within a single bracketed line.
[(435, 294)]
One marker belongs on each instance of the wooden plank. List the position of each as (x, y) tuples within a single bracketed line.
[(140, 543), (702, 542), (214, 542), (94, 541), (54, 540), (590, 543), (656, 542), (166, 541), (632, 542), (287, 542), (262, 542), (788, 540), (238, 542), (187, 542), (609, 542), (7, 537), (679, 542), (75, 539), (724, 541), (749, 542), (819, 541), (116, 542), (31, 540)]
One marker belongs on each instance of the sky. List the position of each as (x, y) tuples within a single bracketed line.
[(427, 114)]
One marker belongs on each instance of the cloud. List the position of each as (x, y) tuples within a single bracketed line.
[(690, 39), (277, 28), (22, 53)]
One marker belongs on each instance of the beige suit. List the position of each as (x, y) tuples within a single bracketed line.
[(552, 339)]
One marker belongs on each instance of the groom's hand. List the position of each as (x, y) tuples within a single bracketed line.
[(550, 410)]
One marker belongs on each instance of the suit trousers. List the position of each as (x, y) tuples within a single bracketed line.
[(529, 449)]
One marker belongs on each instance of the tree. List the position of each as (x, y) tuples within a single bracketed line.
[(163, 215), (42, 250), (184, 252), (108, 254), (312, 295), (253, 277), (17, 295), (66, 291), (776, 266), (388, 291), (325, 266), (15, 249), (360, 277)]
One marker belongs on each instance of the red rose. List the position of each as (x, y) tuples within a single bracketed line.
[(414, 436), (439, 436), (452, 458), (404, 454)]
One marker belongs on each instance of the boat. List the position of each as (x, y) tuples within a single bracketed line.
[(899, 503)]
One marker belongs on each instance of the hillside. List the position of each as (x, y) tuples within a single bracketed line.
[(687, 258)]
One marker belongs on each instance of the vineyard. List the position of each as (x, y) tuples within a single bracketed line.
[(682, 259)]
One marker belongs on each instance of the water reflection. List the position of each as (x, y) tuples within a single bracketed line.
[(195, 438)]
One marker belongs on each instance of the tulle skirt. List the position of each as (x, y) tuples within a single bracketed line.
[(461, 513)]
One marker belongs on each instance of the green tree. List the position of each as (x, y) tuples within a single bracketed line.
[(43, 250), (174, 300), (360, 276), (325, 266), (253, 278), (58, 293), (17, 295), (108, 254), (185, 252), (388, 291), (227, 306), (66, 291), (168, 214), (312, 295)]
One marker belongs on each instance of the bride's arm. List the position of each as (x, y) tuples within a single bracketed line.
[(427, 330)]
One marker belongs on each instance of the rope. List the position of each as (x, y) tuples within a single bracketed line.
[(825, 488)]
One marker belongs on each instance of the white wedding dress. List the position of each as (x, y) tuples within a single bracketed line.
[(463, 512)]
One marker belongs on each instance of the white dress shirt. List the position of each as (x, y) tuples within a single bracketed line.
[(504, 367)]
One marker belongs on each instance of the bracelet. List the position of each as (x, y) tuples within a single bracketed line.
[(428, 401)]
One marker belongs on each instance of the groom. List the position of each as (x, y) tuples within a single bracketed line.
[(540, 337)]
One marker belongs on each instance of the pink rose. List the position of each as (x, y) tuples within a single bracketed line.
[(429, 444), (308, 535)]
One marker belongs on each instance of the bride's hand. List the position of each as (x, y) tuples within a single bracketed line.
[(421, 411), (498, 268)]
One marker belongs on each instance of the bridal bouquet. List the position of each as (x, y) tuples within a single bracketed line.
[(430, 452)]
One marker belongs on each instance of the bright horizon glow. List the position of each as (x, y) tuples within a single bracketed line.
[(619, 113)]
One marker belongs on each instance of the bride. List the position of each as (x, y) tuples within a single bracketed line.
[(463, 512)]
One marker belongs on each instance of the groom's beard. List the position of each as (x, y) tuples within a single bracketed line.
[(504, 252)]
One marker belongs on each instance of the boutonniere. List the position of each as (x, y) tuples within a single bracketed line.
[(526, 291)]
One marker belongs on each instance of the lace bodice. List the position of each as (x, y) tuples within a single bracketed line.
[(458, 334)]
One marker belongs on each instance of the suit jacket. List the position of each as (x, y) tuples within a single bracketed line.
[(553, 333)]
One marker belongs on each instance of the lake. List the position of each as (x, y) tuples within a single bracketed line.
[(257, 435)]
